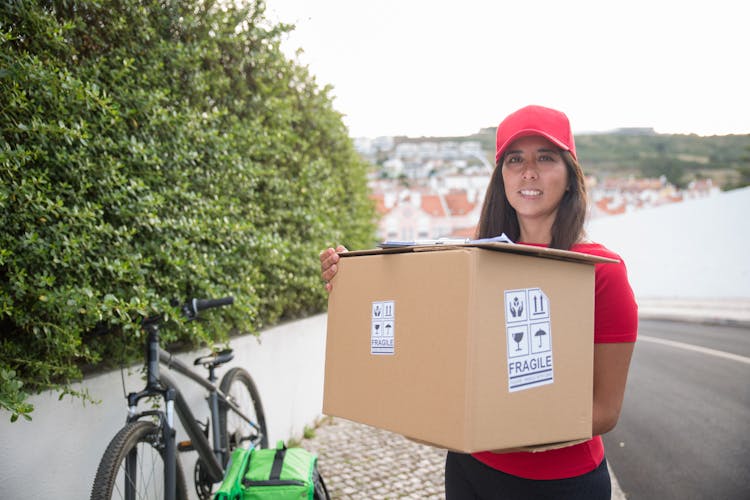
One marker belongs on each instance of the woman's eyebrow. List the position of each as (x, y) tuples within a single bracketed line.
[(540, 150)]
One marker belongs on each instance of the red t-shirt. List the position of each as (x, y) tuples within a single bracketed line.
[(615, 320)]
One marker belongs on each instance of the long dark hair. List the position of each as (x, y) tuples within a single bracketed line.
[(499, 217)]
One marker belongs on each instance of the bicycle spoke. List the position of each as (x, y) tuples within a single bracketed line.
[(133, 466)]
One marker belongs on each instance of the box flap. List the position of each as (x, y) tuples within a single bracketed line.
[(532, 250), (532, 449)]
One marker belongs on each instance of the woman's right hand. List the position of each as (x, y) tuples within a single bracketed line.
[(328, 268)]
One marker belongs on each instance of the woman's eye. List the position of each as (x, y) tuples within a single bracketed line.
[(514, 159), (547, 157)]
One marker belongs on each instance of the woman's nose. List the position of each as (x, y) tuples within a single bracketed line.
[(529, 170)]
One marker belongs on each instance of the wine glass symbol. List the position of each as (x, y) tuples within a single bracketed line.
[(517, 337)]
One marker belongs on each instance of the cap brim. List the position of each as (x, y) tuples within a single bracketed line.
[(526, 133)]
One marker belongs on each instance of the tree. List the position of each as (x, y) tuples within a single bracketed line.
[(188, 157)]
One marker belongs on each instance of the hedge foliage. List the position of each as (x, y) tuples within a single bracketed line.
[(151, 150)]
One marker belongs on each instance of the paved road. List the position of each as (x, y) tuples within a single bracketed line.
[(684, 432)]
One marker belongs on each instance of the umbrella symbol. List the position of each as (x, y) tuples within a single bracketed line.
[(539, 333)]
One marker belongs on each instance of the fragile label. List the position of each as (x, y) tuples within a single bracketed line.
[(529, 339), (383, 326)]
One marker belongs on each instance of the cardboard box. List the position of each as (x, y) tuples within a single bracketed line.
[(464, 347)]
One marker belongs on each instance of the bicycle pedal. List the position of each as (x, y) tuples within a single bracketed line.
[(185, 446)]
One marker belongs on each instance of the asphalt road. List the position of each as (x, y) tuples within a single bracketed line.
[(684, 431)]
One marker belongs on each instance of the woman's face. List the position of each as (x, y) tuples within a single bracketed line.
[(536, 178)]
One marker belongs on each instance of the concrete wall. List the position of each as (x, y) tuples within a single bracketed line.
[(696, 249), (57, 453)]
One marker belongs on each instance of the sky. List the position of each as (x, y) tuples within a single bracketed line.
[(445, 68)]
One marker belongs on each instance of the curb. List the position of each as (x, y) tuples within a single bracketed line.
[(685, 317), (725, 312)]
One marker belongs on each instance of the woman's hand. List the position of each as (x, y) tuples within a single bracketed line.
[(328, 268)]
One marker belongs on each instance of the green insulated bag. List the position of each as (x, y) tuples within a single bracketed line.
[(282, 473)]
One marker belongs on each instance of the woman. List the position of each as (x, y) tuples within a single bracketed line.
[(537, 196)]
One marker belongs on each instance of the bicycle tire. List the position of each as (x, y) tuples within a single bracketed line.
[(238, 385), (320, 489), (142, 438)]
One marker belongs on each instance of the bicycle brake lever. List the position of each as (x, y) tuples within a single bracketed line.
[(189, 310)]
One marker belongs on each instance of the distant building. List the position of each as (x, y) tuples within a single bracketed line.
[(433, 189), (421, 213)]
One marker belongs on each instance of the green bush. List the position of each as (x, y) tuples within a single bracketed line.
[(153, 150)]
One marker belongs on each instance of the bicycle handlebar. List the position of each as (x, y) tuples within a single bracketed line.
[(192, 307)]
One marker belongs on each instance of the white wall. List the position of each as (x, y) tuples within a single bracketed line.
[(56, 454), (696, 249)]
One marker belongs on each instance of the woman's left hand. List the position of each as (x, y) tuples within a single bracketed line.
[(328, 268)]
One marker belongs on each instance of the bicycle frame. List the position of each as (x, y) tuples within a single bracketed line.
[(158, 384)]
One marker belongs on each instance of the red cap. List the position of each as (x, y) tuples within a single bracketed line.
[(535, 120)]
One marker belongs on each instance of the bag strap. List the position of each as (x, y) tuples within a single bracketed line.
[(278, 463), (274, 477)]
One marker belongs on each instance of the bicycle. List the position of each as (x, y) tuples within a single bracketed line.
[(142, 459)]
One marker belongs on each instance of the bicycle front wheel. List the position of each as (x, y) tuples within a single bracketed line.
[(133, 466), (240, 389)]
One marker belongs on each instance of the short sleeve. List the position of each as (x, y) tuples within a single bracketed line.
[(615, 308)]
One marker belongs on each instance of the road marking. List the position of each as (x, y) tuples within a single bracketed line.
[(691, 347)]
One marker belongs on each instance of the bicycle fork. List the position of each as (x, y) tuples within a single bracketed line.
[(170, 451), (166, 424), (167, 442)]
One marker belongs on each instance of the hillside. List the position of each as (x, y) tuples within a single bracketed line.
[(644, 153)]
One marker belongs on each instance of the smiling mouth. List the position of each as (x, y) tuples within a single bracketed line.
[(530, 192)]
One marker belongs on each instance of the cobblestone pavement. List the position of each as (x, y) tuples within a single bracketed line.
[(358, 461)]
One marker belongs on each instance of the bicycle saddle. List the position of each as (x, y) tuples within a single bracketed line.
[(215, 359)]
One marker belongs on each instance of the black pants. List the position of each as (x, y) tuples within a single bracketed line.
[(468, 478)]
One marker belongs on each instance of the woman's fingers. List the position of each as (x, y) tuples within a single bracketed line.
[(329, 273), (328, 268), (328, 258)]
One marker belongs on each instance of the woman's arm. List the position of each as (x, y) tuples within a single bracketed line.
[(611, 363)]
